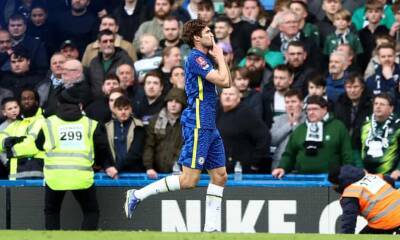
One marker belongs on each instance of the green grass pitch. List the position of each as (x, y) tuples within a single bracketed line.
[(118, 235)]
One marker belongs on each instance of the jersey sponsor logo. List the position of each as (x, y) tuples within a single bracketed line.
[(202, 62)]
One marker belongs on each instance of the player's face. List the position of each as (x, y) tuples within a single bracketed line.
[(11, 110), (206, 39)]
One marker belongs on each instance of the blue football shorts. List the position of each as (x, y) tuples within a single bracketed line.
[(202, 149)]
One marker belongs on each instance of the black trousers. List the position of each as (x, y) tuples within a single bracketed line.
[(369, 230), (87, 200)]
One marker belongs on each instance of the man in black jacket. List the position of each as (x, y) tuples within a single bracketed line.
[(36, 49), (353, 107), (245, 136)]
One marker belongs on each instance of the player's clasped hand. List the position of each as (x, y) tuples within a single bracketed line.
[(216, 50)]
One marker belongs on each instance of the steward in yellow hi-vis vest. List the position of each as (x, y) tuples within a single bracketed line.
[(371, 196), (71, 143), (29, 164)]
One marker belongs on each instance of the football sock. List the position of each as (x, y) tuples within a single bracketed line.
[(213, 208), (167, 184)]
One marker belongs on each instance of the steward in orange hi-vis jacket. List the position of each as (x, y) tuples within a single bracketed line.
[(371, 196)]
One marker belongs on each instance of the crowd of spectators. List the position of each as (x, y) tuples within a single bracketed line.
[(315, 83)]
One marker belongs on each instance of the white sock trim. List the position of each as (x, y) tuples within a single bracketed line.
[(172, 183), (215, 190)]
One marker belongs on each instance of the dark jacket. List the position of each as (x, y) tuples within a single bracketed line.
[(300, 78), (343, 111), (48, 95), (97, 73), (99, 110), (129, 24), (145, 111), (37, 53), (132, 162), (162, 147), (16, 83), (246, 139), (253, 100)]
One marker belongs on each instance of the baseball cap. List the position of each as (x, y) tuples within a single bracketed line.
[(255, 51), (69, 43)]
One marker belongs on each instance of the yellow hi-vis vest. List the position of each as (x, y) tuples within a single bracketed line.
[(27, 163), (69, 153)]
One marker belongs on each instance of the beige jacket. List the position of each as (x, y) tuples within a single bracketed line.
[(92, 50)]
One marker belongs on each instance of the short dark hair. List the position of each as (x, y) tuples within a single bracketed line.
[(153, 74), (243, 71), (355, 77), (111, 76), (224, 19), (373, 5), (17, 17), (297, 44), (103, 33), (20, 51), (172, 18), (386, 45), (285, 68), (122, 101), (175, 67), (35, 93), (192, 28), (229, 3), (110, 16), (294, 92), (318, 100), (118, 90), (7, 100), (303, 4), (318, 80), (386, 96), (206, 4)]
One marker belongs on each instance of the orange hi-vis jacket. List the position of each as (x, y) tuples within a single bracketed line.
[(379, 201)]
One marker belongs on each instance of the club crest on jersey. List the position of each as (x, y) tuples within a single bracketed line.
[(202, 62)]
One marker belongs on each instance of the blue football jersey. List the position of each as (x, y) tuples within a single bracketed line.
[(201, 94)]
